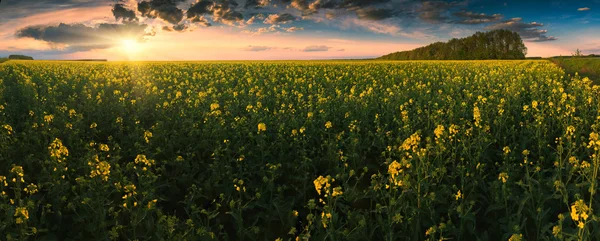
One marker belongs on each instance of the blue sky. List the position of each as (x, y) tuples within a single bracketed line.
[(282, 29)]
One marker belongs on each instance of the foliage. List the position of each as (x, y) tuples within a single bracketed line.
[(20, 57), (583, 66), (427, 150), (2, 60), (496, 44)]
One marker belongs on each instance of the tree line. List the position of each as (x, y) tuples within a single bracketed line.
[(496, 44)]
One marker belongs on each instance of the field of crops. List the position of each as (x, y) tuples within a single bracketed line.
[(426, 150)]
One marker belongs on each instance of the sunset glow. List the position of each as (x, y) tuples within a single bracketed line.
[(281, 29)]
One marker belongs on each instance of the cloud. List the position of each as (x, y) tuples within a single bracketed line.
[(374, 13), (583, 9), (528, 31), (256, 3), (279, 18), (476, 18), (293, 29), (316, 48), (374, 26), (258, 48), (163, 9), (120, 12), (23, 8), (341, 50), (79, 37), (434, 11)]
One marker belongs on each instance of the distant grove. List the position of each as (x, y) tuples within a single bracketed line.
[(496, 44)]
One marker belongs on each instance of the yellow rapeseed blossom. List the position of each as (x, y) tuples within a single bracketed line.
[(31, 189), (503, 177), (262, 127), (477, 116), (8, 128), (214, 106), (147, 136), (104, 147), (579, 212), (439, 131), (516, 237), (328, 125), (458, 195), (21, 214), (58, 150), (411, 143)]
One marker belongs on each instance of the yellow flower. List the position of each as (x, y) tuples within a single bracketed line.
[(328, 125), (22, 214), (556, 231), (337, 191), (295, 213), (104, 147), (516, 237), (214, 106), (458, 195), (503, 176), (8, 128), (147, 136), (477, 116), (506, 150), (93, 125), (48, 118), (262, 127), (439, 131)]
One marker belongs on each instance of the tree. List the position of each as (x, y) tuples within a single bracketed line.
[(496, 44)]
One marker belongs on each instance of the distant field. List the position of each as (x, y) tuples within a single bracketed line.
[(585, 67), (331, 150), (2, 60)]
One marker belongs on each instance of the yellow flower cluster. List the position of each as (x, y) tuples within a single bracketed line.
[(477, 116), (8, 128), (58, 150), (147, 136), (21, 214), (99, 168), (31, 189), (411, 143), (18, 171), (395, 169), (262, 127), (503, 176), (579, 212), (324, 184)]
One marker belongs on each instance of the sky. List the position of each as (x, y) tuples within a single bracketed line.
[(282, 29)]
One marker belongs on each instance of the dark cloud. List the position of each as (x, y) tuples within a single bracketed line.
[(316, 48), (374, 13), (435, 11), (528, 31), (81, 37), (279, 18), (476, 18), (180, 27), (257, 48), (120, 12), (163, 9), (13, 9), (200, 8)]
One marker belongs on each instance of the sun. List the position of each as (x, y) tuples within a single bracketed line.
[(130, 46)]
